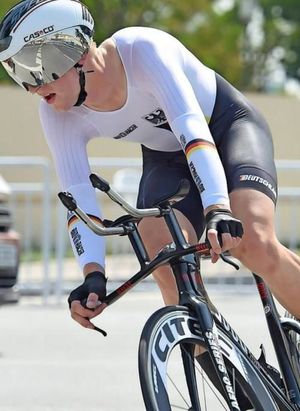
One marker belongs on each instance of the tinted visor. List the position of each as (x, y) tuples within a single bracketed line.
[(47, 59)]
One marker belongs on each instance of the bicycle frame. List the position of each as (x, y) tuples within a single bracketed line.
[(182, 259)]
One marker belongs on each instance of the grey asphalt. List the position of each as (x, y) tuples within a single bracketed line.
[(49, 363)]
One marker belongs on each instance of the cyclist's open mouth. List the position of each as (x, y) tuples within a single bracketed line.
[(50, 98)]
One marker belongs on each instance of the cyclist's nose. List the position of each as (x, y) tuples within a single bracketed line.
[(33, 89)]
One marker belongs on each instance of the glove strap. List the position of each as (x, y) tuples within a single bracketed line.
[(212, 213), (95, 274)]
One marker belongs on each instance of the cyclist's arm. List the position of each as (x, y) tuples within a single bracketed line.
[(67, 137), (160, 69), (88, 248)]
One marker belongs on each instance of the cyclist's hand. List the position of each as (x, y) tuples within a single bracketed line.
[(85, 300), (223, 231)]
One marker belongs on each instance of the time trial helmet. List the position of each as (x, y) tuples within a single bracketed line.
[(40, 40)]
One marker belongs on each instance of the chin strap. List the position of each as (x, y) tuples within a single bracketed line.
[(83, 94)]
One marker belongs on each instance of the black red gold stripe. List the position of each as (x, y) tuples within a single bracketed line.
[(74, 219), (198, 144)]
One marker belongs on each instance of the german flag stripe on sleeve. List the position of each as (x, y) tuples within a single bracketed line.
[(198, 144), (74, 220)]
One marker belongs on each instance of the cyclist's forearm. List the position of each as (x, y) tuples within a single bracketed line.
[(202, 157), (87, 246)]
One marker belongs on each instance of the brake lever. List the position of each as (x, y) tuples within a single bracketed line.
[(223, 257), (229, 261), (104, 333), (83, 303)]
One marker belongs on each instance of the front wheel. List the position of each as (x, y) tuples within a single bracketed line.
[(170, 336)]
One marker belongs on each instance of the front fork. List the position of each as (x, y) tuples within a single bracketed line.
[(195, 297)]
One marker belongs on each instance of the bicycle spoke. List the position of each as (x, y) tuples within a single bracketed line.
[(203, 389), (206, 380), (179, 392), (206, 385), (177, 407)]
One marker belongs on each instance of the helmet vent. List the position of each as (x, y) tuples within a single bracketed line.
[(86, 14)]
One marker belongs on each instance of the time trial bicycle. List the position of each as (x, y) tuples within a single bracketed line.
[(192, 340)]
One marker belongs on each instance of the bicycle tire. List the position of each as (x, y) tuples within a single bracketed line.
[(173, 326), (293, 339)]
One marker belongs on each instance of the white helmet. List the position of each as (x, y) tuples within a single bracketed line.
[(40, 40)]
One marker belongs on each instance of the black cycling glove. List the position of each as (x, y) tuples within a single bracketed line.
[(222, 221), (94, 282)]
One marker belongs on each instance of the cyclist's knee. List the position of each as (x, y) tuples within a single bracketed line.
[(258, 250)]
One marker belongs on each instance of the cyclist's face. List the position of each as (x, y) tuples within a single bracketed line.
[(62, 93)]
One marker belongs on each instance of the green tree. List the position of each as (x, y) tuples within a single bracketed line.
[(283, 31), (211, 36), (280, 45)]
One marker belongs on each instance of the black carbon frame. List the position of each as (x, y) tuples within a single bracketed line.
[(183, 260)]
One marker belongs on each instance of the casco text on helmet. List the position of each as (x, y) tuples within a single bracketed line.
[(40, 40)]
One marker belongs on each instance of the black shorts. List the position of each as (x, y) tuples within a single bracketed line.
[(245, 146)]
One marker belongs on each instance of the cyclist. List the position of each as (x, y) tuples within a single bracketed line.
[(143, 85)]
